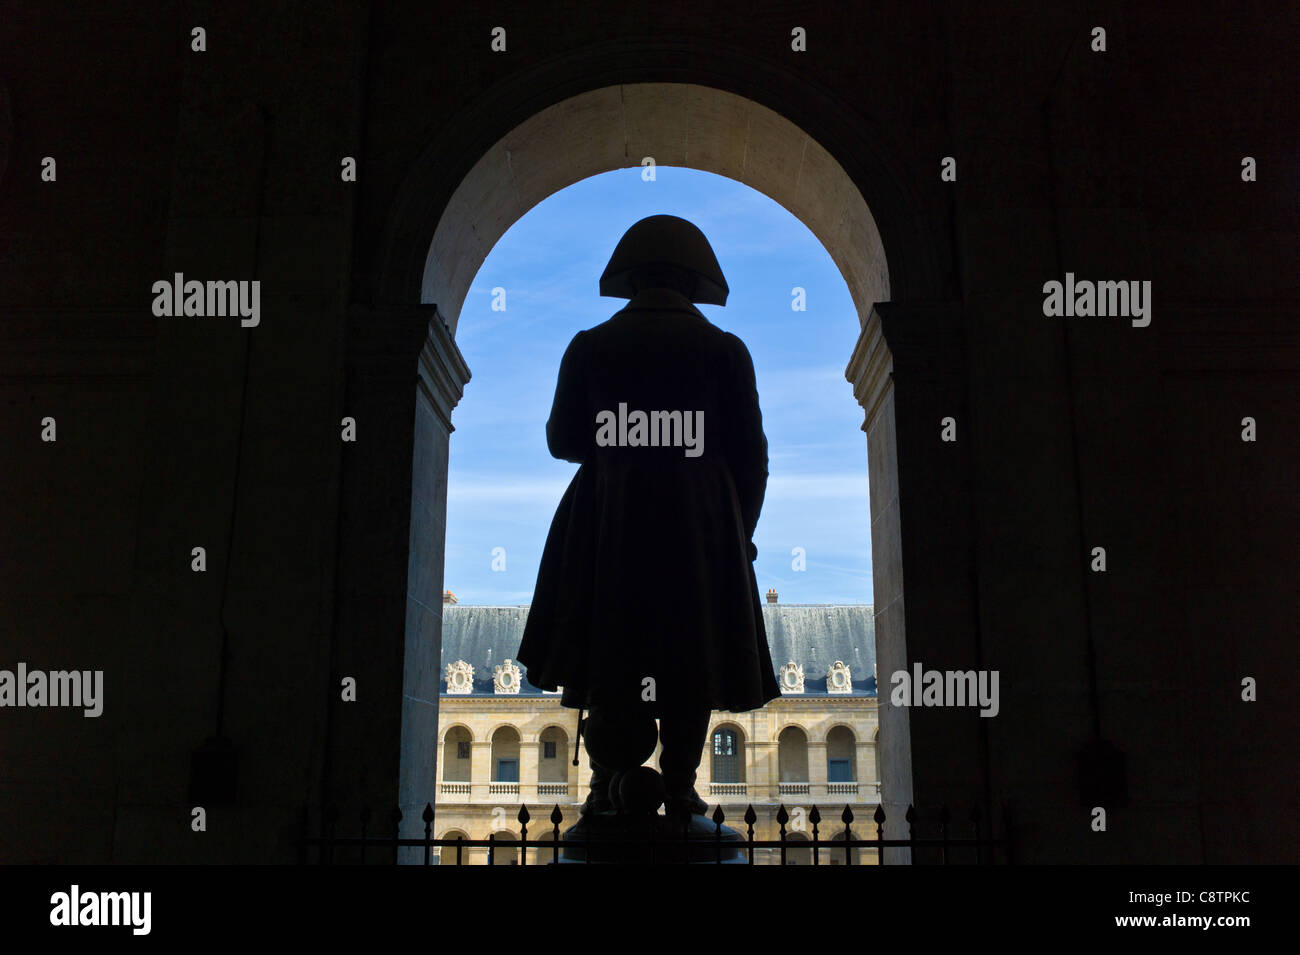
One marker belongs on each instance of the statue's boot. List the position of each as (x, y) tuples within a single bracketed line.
[(683, 730), (683, 800), (598, 798)]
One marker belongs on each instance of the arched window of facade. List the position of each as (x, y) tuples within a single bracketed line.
[(505, 755), (553, 756), (456, 755), (792, 755), (797, 851), (728, 756), (447, 854), (835, 856), (546, 853), (841, 756), (503, 855)]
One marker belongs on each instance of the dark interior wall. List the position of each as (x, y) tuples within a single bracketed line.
[(1073, 433), (172, 433)]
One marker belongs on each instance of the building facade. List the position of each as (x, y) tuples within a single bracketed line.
[(503, 743)]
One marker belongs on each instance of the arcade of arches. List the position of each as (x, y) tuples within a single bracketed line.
[(797, 752)]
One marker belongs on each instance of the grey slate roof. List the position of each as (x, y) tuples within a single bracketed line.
[(813, 635)]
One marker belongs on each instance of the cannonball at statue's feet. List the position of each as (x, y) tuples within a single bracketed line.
[(640, 792)]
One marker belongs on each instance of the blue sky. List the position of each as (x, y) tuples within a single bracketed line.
[(504, 485)]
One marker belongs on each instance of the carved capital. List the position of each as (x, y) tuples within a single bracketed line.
[(918, 341), (409, 343), (871, 369), (442, 370)]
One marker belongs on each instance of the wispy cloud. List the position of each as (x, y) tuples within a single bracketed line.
[(471, 488)]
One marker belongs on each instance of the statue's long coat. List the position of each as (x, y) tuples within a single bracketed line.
[(647, 568)]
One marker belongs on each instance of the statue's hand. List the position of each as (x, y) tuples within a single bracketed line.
[(753, 551)]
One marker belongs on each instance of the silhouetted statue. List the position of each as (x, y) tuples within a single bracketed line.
[(646, 604)]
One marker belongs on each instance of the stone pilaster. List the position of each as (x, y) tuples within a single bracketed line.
[(529, 761), (817, 771), (405, 375), (480, 769), (909, 374)]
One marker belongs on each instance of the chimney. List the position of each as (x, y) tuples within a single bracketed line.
[(771, 595), (448, 597)]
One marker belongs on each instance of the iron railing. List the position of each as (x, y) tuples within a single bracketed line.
[(943, 847)]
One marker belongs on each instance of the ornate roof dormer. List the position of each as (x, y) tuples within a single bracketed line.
[(506, 677), (460, 678), (838, 678), (791, 677)]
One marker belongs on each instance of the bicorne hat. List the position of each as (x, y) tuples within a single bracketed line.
[(665, 240)]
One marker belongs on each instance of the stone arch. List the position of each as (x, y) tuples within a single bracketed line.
[(506, 742), (835, 855), (544, 854), (919, 267), (798, 849), (678, 124), (726, 748), (841, 726), (473, 179), (792, 755), (456, 768), (841, 755), (731, 725), (447, 854), (509, 725), (458, 726), (555, 768), (503, 856)]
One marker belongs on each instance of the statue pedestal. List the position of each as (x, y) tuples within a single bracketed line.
[(615, 838)]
